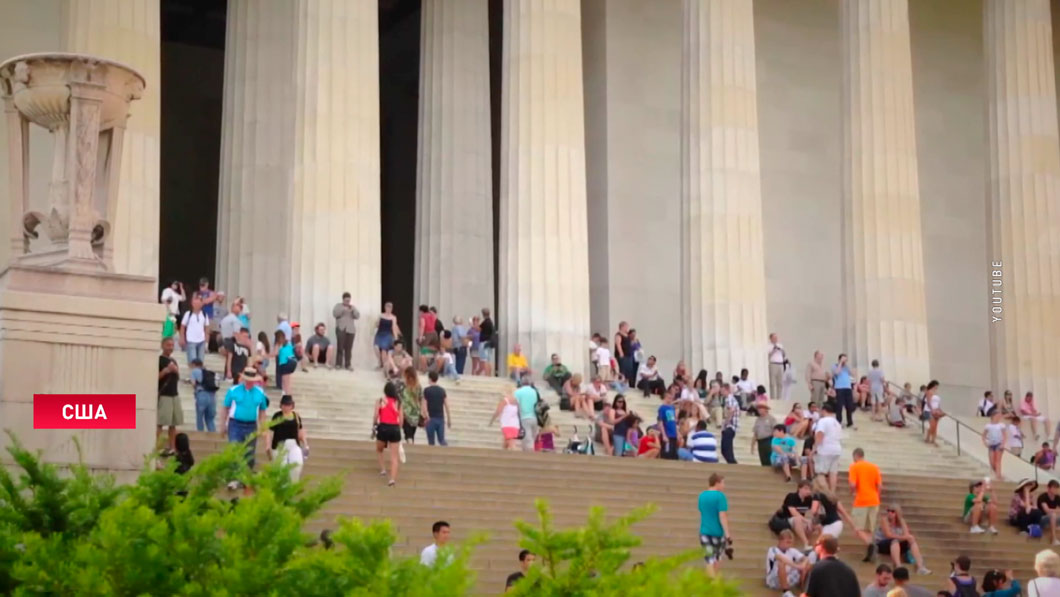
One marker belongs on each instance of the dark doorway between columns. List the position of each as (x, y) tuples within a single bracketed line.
[(193, 45)]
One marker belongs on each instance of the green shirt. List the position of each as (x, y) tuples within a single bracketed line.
[(410, 403), (556, 371), (969, 501)]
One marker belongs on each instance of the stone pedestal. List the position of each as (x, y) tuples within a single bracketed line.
[(129, 32), (58, 334), (1024, 201), (454, 188), (543, 266), (723, 290), (298, 214), (883, 270)]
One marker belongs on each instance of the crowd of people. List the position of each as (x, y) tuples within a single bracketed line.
[(806, 443)]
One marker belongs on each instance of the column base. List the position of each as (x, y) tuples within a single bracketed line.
[(79, 333)]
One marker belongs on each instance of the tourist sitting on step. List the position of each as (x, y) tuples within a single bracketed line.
[(319, 349), (518, 366), (795, 423), (794, 515), (782, 452), (648, 379), (556, 375), (896, 412), (880, 585), (894, 538), (1045, 458), (1022, 512), (787, 568), (1049, 504), (430, 346), (1029, 411), (830, 514), (980, 507), (650, 445)]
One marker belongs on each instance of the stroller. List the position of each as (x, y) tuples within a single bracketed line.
[(576, 445)]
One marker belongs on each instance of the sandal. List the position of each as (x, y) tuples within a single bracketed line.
[(391, 483)]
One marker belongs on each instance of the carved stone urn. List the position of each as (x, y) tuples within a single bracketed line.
[(84, 101)]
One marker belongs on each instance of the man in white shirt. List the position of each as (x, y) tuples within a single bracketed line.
[(745, 389), (777, 356), (648, 379), (827, 445), (786, 567), (429, 555), (172, 296), (193, 330), (986, 404)]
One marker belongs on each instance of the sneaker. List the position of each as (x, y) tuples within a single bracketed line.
[(1056, 541), (993, 530), (870, 552), (976, 530), (788, 594), (235, 485), (923, 571)]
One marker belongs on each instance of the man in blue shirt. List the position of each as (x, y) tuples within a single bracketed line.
[(282, 325), (842, 381), (250, 403), (714, 535), (668, 425)]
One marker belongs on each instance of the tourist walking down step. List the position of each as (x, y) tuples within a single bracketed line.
[(817, 377), (169, 413), (715, 536), (527, 398), (387, 422), (288, 433), (436, 405), (243, 421), (386, 332)]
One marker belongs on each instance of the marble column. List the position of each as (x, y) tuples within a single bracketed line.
[(454, 188), (298, 220), (128, 31), (723, 290), (883, 267), (543, 266), (1024, 201)]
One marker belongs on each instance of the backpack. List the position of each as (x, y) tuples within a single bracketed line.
[(541, 411), (965, 589), (209, 381)]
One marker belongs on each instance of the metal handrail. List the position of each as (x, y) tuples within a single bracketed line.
[(957, 426)]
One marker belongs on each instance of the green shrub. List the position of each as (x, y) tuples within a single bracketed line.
[(72, 532)]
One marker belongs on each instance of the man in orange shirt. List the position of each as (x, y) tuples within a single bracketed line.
[(866, 485)]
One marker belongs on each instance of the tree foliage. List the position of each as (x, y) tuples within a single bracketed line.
[(73, 532)]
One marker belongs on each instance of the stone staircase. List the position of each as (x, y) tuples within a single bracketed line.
[(486, 490), (338, 405)]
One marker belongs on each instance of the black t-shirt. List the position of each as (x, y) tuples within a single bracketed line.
[(240, 357), (512, 579), (486, 331), (285, 429), (830, 512), (167, 386), (792, 500), (435, 397), (1045, 500), (832, 578)]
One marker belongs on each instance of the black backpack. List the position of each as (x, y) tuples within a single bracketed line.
[(209, 381)]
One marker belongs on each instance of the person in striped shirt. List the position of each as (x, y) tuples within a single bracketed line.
[(701, 446), (732, 423)]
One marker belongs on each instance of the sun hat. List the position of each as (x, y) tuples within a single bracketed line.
[(1024, 482), (250, 374)]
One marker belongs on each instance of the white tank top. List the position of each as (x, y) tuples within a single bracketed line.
[(510, 414)]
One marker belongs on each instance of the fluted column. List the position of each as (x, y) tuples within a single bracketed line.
[(543, 267), (723, 295), (454, 188), (128, 31), (299, 194), (1024, 202), (883, 269)]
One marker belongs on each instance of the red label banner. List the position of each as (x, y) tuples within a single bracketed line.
[(84, 411)]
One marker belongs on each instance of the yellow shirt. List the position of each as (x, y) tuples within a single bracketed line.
[(517, 361)]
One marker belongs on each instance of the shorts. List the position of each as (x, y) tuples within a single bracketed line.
[(834, 529), (229, 345), (884, 546), (170, 414), (865, 517), (388, 434), (1044, 521), (781, 460), (773, 578), (826, 464), (995, 448), (510, 432), (877, 397), (713, 548), (322, 358)]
